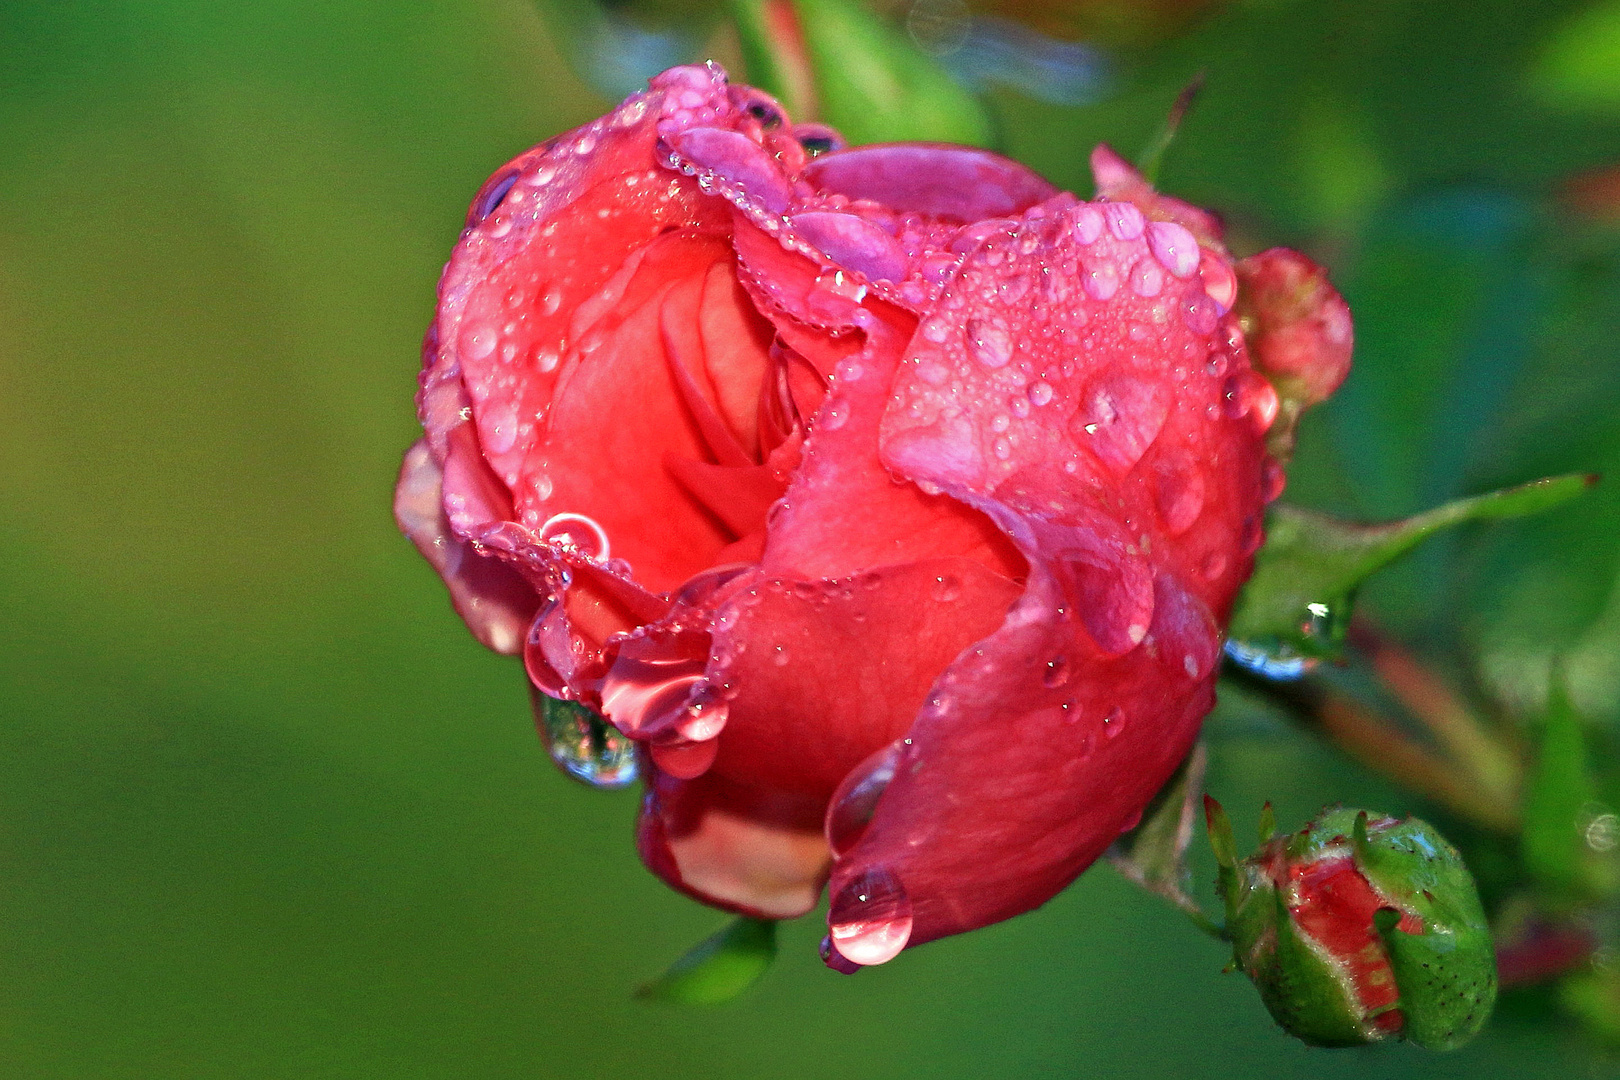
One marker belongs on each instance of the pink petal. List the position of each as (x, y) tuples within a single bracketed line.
[(953, 182), (491, 597), (739, 847)]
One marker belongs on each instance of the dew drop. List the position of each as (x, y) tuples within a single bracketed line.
[(576, 532), (990, 344), (853, 804), (1174, 247), (869, 919), (1125, 221), (583, 745), (1056, 673), (1101, 280), (1040, 393), (1147, 278), (1088, 224), (947, 587)]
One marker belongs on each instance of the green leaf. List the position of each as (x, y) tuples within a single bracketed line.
[(1296, 606), (1154, 854), (718, 968), (1567, 840), (874, 85)]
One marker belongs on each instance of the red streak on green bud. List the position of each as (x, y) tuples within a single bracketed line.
[(1333, 905)]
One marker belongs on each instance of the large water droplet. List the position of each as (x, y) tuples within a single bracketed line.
[(1174, 247), (583, 745), (1119, 418), (1180, 495), (1275, 663), (578, 533), (650, 679), (989, 343), (869, 920), (853, 804), (1124, 219)]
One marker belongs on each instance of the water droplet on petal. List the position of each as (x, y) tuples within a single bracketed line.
[(989, 343), (1175, 248), (741, 162), (685, 760), (1124, 219), (1101, 279), (1040, 393), (1119, 418), (1220, 282), (478, 342), (578, 533), (583, 745), (869, 920), (853, 804), (1180, 495), (947, 587), (1147, 278), (1088, 224), (1056, 672)]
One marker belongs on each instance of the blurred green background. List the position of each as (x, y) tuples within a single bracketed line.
[(266, 809)]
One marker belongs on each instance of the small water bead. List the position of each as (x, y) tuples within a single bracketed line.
[(834, 416), (1088, 224), (1056, 673), (1272, 479), (583, 745), (1125, 220), (1200, 315), (1040, 393), (780, 656), (1101, 280), (1147, 278), (1000, 422), (1002, 448), (989, 343), (947, 587), (1019, 405), (869, 919), (1213, 566), (576, 532), (1113, 724)]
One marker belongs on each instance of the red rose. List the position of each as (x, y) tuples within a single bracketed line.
[(891, 499)]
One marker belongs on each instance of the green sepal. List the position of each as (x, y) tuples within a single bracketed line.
[(718, 968), (1154, 853), (1268, 822), (1296, 606)]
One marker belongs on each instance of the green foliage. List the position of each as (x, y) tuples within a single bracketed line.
[(1297, 604), (718, 968)]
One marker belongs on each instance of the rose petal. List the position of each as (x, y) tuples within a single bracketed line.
[(954, 182), (494, 599), (743, 848), (1017, 780), (1043, 740), (871, 645)]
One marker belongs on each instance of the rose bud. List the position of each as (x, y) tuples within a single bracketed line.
[(1360, 928), (890, 499)]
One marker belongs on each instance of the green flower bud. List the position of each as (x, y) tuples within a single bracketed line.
[(1359, 928)]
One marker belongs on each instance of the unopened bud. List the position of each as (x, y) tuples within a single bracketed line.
[(1359, 928)]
